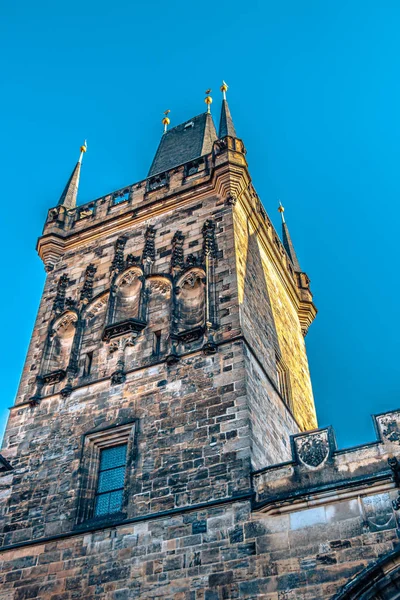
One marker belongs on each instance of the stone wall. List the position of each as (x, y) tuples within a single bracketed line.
[(315, 525), (268, 313)]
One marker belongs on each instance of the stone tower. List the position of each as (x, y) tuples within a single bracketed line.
[(167, 370)]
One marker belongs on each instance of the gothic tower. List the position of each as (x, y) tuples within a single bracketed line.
[(166, 368)]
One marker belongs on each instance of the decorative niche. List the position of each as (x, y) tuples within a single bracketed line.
[(60, 344), (127, 306), (190, 306), (94, 317)]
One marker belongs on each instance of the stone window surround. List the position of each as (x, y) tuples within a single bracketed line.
[(93, 443)]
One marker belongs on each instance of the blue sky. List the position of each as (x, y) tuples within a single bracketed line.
[(315, 95)]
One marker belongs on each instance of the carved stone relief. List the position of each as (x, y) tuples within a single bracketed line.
[(389, 427), (312, 449)]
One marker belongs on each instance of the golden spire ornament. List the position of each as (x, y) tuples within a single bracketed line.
[(166, 120), (224, 89), (208, 100), (83, 150), (281, 210)]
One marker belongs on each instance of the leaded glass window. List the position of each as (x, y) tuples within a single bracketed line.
[(110, 484)]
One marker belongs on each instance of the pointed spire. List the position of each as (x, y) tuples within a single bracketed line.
[(287, 241), (70, 193), (226, 126)]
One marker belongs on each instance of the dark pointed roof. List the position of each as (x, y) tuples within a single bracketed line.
[(70, 193), (226, 126), (288, 245), (184, 143)]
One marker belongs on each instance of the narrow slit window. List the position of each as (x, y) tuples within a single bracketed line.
[(157, 343), (111, 477), (88, 364)]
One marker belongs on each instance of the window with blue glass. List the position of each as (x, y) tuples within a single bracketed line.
[(110, 484)]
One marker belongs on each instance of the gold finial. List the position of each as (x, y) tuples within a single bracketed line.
[(83, 150), (208, 100), (166, 120), (224, 89), (281, 210)]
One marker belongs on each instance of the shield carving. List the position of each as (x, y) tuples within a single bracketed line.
[(313, 450)]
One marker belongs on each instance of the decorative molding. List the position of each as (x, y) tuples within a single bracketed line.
[(87, 289), (53, 377), (117, 264), (59, 300), (190, 335), (149, 250), (125, 327), (209, 241), (177, 256)]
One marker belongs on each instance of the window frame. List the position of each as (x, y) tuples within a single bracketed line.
[(98, 493), (93, 443)]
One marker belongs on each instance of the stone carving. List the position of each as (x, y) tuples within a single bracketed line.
[(209, 242), (149, 251), (220, 146), (191, 260), (129, 277), (52, 215), (61, 326), (230, 200), (177, 258), (117, 264), (97, 306), (87, 289), (313, 449), (389, 426), (119, 376), (191, 278), (121, 344), (125, 327), (132, 260), (59, 300), (160, 285), (66, 391)]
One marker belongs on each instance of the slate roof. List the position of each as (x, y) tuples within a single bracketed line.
[(226, 126), (184, 143)]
